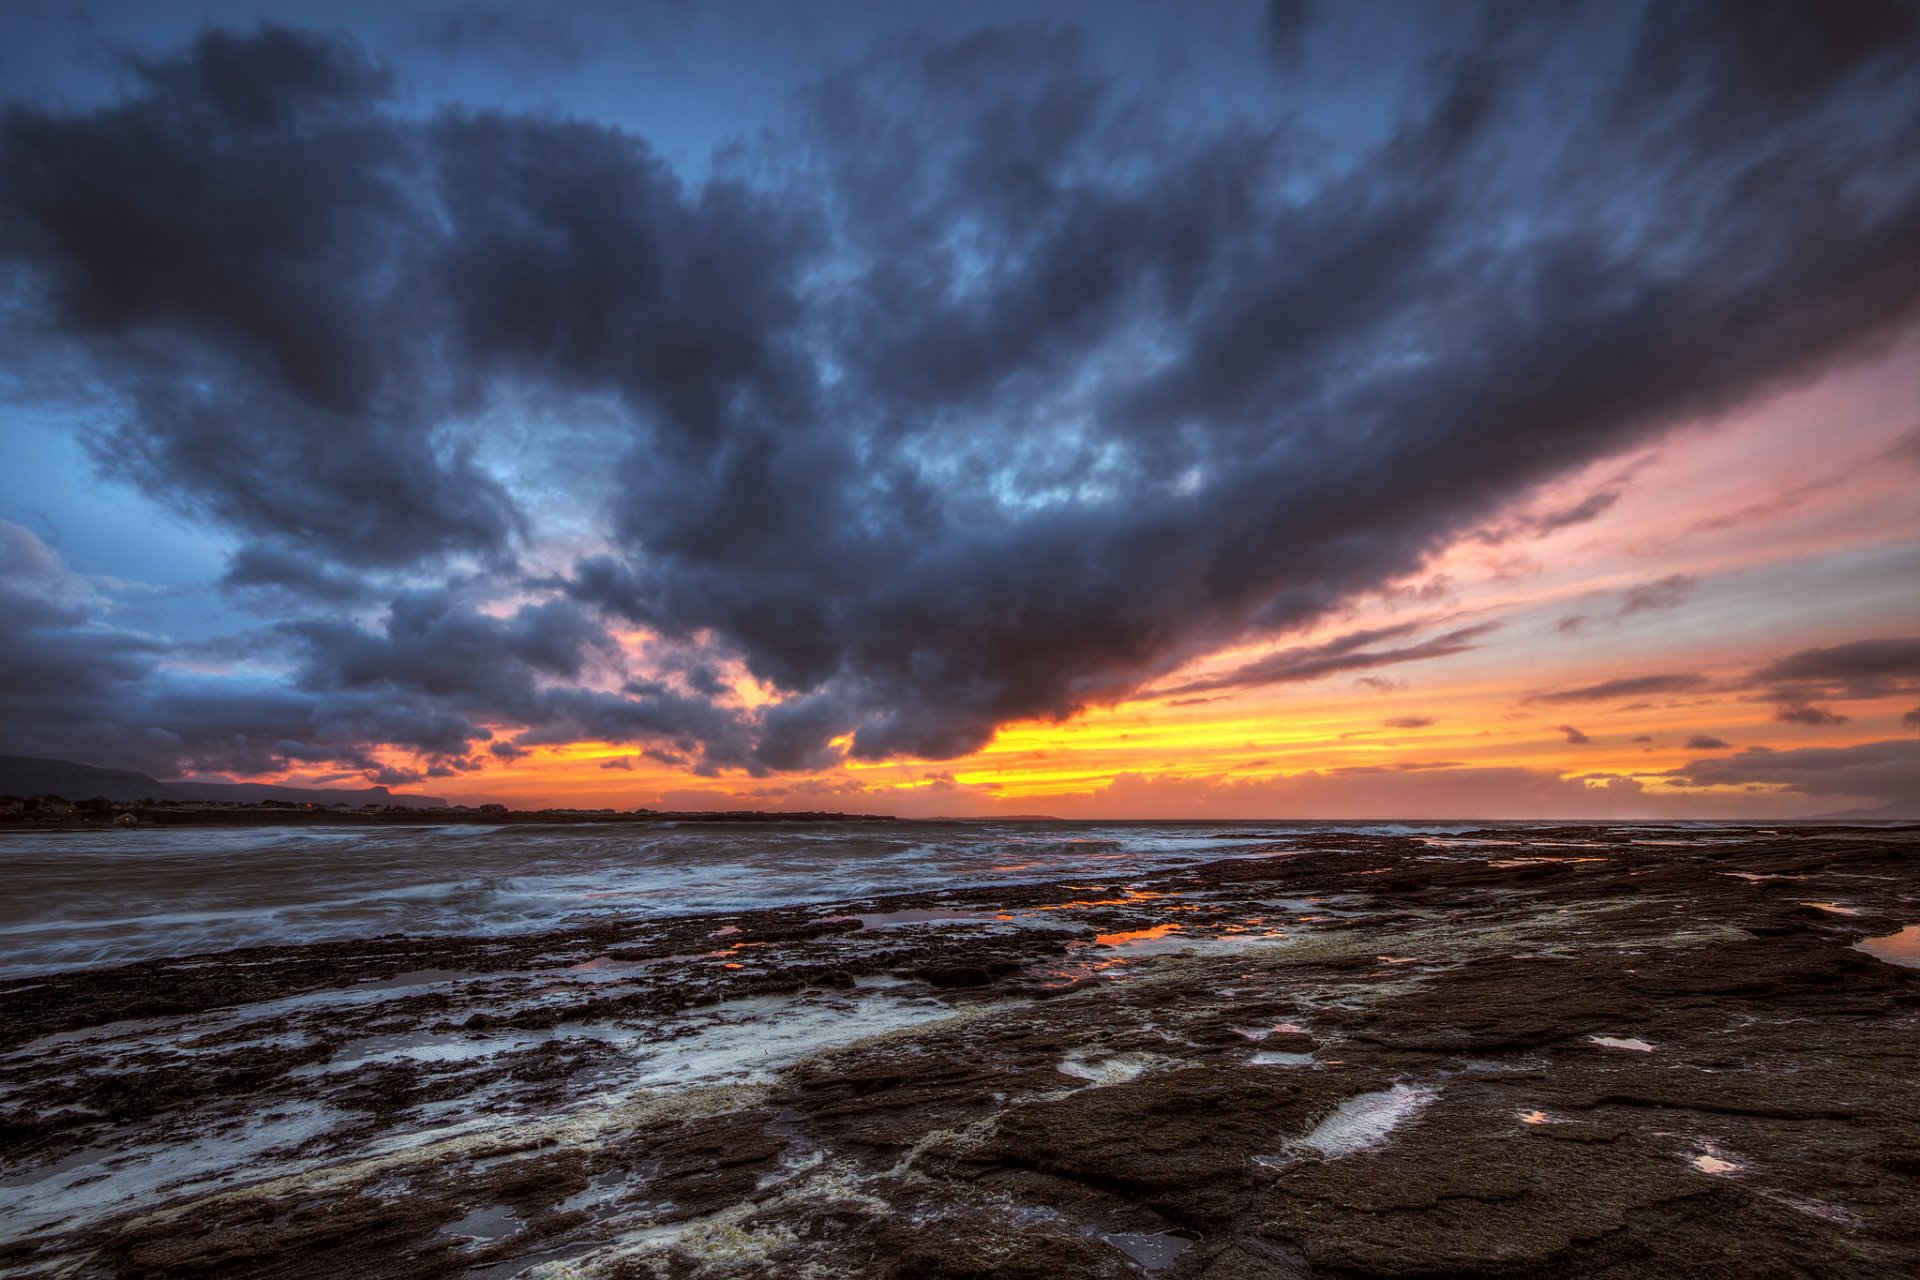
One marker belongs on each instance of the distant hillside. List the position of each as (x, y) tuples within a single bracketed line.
[(255, 792), (1893, 811), (33, 776)]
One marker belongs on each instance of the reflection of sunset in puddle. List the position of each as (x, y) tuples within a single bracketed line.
[(1832, 908), (1896, 948), (1543, 860), (732, 950), (1135, 935), (1075, 972), (1132, 896), (1713, 1164), (920, 915), (1533, 1117)]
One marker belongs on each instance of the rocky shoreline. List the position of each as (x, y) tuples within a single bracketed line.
[(1577, 1051)]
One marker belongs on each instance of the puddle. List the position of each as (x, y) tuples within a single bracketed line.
[(1535, 1117), (1117, 1069), (1622, 1042), (484, 1226), (1131, 937), (1902, 948), (1278, 1058), (1548, 860), (1061, 976), (1713, 1164), (1832, 907), (926, 915), (415, 978), (601, 967), (1133, 897), (1257, 1034), (1365, 1120), (606, 1189), (1154, 1250)]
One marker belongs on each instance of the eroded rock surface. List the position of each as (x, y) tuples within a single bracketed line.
[(1557, 1052)]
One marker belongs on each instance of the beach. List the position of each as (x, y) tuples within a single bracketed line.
[(1016, 1049)]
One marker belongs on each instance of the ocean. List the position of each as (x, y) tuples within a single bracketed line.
[(107, 897)]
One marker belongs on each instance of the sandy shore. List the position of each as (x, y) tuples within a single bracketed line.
[(1552, 1052)]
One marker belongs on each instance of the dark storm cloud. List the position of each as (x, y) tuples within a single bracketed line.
[(500, 31), (1880, 770), (1859, 669), (1259, 467), (259, 565), (59, 667), (1287, 24), (74, 686), (527, 668), (303, 297), (989, 389)]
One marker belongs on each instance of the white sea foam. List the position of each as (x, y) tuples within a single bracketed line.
[(1622, 1042), (1366, 1119)]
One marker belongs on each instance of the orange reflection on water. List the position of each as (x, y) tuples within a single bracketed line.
[(732, 950), (1133, 895), (1135, 935), (1896, 948), (1068, 975)]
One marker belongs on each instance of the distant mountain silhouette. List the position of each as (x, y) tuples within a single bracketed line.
[(1893, 811), (34, 776)]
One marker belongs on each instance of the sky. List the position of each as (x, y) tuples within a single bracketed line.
[(1244, 410)]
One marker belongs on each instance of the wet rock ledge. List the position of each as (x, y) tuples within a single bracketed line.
[(1592, 1052)]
